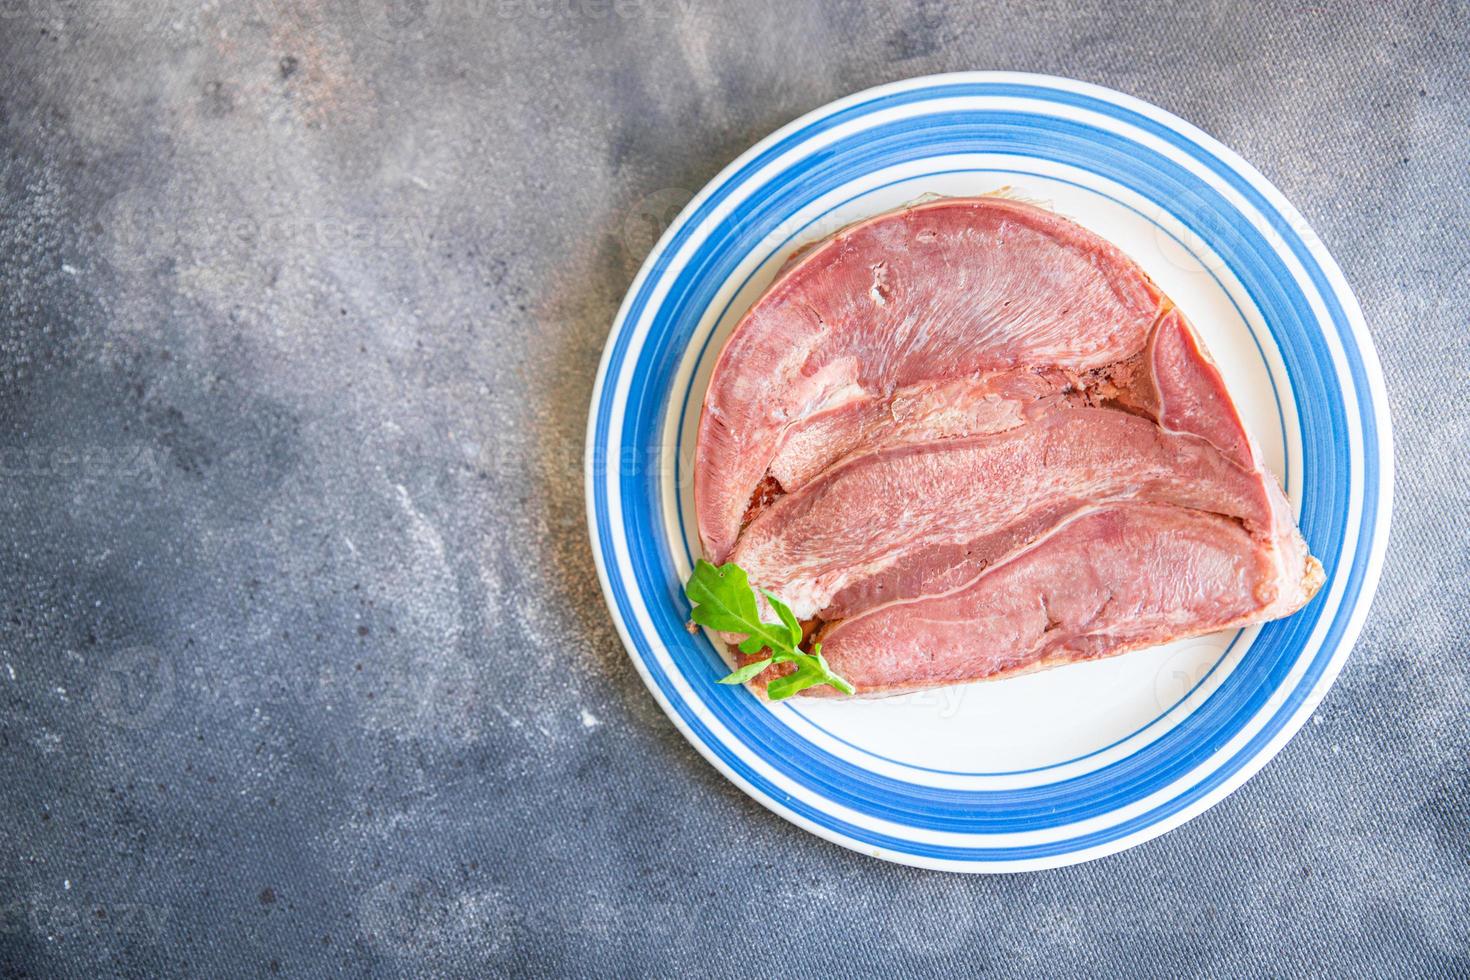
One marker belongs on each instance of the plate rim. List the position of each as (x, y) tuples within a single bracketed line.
[(1373, 391)]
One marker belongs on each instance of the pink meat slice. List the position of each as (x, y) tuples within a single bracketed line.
[(1109, 579), (904, 518), (969, 439), (929, 410), (922, 518), (898, 307), (1183, 390)]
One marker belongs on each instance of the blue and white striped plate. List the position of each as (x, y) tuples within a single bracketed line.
[(1068, 764)]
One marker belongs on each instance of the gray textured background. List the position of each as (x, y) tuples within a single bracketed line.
[(303, 665)]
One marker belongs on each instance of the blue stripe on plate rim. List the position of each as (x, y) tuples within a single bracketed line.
[(953, 811), (947, 828)]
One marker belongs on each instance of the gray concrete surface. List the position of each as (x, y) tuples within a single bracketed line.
[(303, 665)]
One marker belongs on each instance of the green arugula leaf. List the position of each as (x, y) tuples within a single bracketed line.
[(721, 599), (747, 672), (783, 687), (787, 616)]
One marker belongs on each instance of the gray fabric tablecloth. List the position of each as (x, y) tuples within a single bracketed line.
[(304, 668)]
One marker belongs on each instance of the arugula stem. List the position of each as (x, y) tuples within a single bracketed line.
[(723, 600)]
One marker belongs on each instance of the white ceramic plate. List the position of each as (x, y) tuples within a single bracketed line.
[(1069, 764)]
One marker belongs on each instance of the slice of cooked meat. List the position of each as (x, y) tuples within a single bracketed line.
[(939, 409), (909, 462), (1108, 580), (918, 519), (937, 292)]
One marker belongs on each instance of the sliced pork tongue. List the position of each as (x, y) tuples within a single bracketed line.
[(945, 291), (1107, 580), (934, 407), (923, 518)]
